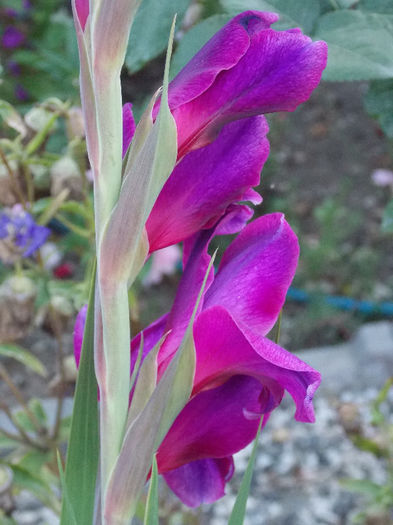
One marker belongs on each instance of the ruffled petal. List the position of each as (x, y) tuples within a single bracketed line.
[(221, 52), (207, 181), (196, 261), (201, 481), (256, 272), (277, 72), (223, 350), (215, 423)]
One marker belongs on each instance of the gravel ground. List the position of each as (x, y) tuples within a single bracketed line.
[(300, 467)]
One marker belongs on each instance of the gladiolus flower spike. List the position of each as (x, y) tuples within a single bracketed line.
[(218, 100), (240, 374)]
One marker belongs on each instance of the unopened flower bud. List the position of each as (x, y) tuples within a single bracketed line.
[(17, 296), (37, 118), (8, 196), (40, 175), (75, 123), (65, 174), (62, 305)]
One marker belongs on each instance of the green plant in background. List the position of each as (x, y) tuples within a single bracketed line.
[(39, 54), (46, 228), (379, 496), (330, 249)]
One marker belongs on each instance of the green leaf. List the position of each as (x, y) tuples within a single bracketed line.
[(25, 480), (66, 496), (82, 457), (293, 13), (239, 509), (194, 39), (363, 486), (151, 512), (149, 33), (379, 103), (368, 445), (23, 356), (387, 218), (360, 45), (377, 6), (12, 118), (37, 409), (7, 443)]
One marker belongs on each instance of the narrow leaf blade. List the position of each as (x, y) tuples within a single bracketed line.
[(65, 491), (82, 457), (239, 509), (151, 513), (23, 356)]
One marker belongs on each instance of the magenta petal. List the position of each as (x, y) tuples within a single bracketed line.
[(214, 423), (221, 52), (256, 272), (277, 71), (82, 9), (223, 350), (201, 481), (79, 328), (207, 181), (196, 261), (128, 126)]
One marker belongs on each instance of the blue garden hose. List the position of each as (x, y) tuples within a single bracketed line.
[(343, 303)]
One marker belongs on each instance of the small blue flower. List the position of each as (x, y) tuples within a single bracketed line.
[(18, 230)]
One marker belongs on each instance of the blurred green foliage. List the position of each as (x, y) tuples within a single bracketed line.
[(379, 496), (46, 63)]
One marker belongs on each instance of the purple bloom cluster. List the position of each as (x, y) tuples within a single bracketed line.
[(19, 230), (12, 37)]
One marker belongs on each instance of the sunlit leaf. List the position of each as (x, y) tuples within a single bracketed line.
[(25, 357)]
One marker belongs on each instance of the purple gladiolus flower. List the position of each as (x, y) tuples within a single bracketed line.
[(246, 69), (19, 234), (207, 182), (240, 374), (12, 38)]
